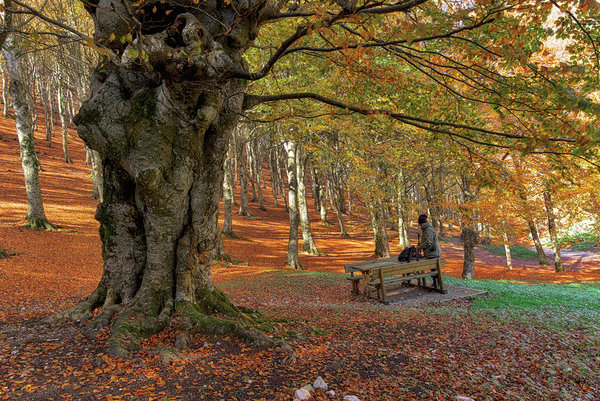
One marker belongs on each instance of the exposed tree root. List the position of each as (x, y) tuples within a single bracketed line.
[(194, 321), (295, 265), (4, 254), (40, 224), (84, 310), (213, 313)]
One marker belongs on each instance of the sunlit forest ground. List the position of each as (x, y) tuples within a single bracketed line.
[(534, 336)]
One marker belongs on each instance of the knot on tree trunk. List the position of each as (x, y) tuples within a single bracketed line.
[(185, 51)]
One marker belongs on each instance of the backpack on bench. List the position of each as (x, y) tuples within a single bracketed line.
[(409, 253)]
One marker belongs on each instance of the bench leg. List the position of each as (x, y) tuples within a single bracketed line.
[(355, 286), (382, 287)]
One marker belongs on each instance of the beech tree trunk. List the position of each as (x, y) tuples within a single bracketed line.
[(5, 94), (95, 162), (243, 174), (62, 112), (274, 175), (536, 240), (507, 250), (292, 259), (468, 229), (552, 231), (257, 168), (161, 120), (335, 202), (36, 217), (228, 199), (281, 180), (309, 245), (380, 236), (403, 235)]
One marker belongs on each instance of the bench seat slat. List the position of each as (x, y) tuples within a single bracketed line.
[(396, 279)]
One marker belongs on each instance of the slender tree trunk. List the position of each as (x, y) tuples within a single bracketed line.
[(507, 250), (468, 229), (257, 162), (334, 203), (36, 216), (292, 259), (323, 205), (314, 185), (5, 94), (62, 112), (243, 174), (536, 240), (274, 175), (403, 234), (227, 199), (252, 172), (380, 237), (552, 231), (49, 112), (309, 245), (319, 194), (341, 197), (97, 180), (281, 180), (350, 204)]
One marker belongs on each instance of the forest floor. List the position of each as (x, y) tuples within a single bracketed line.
[(536, 336)]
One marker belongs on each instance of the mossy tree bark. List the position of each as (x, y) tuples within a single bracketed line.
[(161, 118)]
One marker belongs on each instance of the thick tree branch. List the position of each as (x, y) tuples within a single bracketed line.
[(423, 123), (303, 30)]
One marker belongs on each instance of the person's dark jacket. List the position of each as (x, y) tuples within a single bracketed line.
[(430, 242)]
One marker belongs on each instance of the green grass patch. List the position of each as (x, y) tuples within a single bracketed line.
[(582, 242), (559, 307), (510, 294), (516, 251)]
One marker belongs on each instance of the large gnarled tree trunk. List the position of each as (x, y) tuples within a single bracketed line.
[(161, 120)]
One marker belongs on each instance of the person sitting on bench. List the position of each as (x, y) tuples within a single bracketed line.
[(430, 242)]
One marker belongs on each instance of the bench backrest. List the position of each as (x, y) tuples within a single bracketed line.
[(412, 267)]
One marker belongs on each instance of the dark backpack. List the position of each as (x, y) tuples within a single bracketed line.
[(409, 253)]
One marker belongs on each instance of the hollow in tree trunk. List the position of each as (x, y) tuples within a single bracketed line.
[(162, 125)]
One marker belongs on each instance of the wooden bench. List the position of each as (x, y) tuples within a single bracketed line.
[(380, 273)]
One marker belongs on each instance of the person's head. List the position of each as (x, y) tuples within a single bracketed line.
[(422, 219)]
